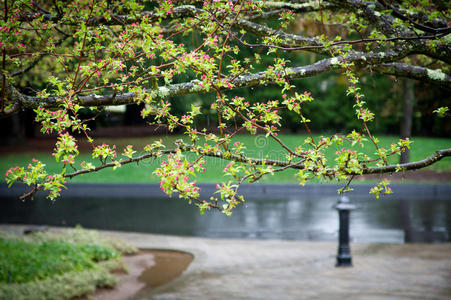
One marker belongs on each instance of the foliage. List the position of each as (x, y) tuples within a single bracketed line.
[(58, 265), (59, 287), (79, 237), (441, 111), (22, 262), (98, 53)]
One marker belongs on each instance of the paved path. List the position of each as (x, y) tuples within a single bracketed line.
[(250, 269), (284, 270)]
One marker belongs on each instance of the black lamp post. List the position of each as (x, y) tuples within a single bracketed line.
[(344, 207)]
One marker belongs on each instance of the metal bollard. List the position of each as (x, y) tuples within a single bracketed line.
[(344, 207)]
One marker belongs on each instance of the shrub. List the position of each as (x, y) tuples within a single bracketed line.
[(81, 236), (58, 265), (23, 261), (59, 287)]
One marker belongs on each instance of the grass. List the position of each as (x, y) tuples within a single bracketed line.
[(22, 261), (48, 265), (257, 146)]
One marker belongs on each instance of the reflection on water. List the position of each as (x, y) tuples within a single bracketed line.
[(292, 218)]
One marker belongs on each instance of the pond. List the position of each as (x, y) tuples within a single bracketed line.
[(290, 218)]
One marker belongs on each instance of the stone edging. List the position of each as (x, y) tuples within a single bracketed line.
[(406, 191)]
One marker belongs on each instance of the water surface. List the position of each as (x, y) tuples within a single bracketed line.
[(295, 218)]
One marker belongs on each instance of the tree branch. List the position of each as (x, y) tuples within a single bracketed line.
[(369, 11), (178, 12), (124, 162), (398, 14), (438, 155), (307, 6), (415, 72), (289, 40), (193, 87)]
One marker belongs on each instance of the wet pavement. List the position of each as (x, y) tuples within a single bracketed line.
[(273, 269), (243, 269)]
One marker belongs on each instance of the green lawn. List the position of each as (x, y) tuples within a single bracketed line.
[(257, 146)]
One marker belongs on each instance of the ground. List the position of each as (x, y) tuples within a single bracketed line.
[(255, 269)]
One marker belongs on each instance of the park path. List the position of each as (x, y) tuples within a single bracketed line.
[(285, 270)]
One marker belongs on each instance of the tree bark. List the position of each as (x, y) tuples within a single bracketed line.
[(12, 130), (406, 125)]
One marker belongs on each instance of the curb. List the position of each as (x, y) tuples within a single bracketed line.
[(361, 191)]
